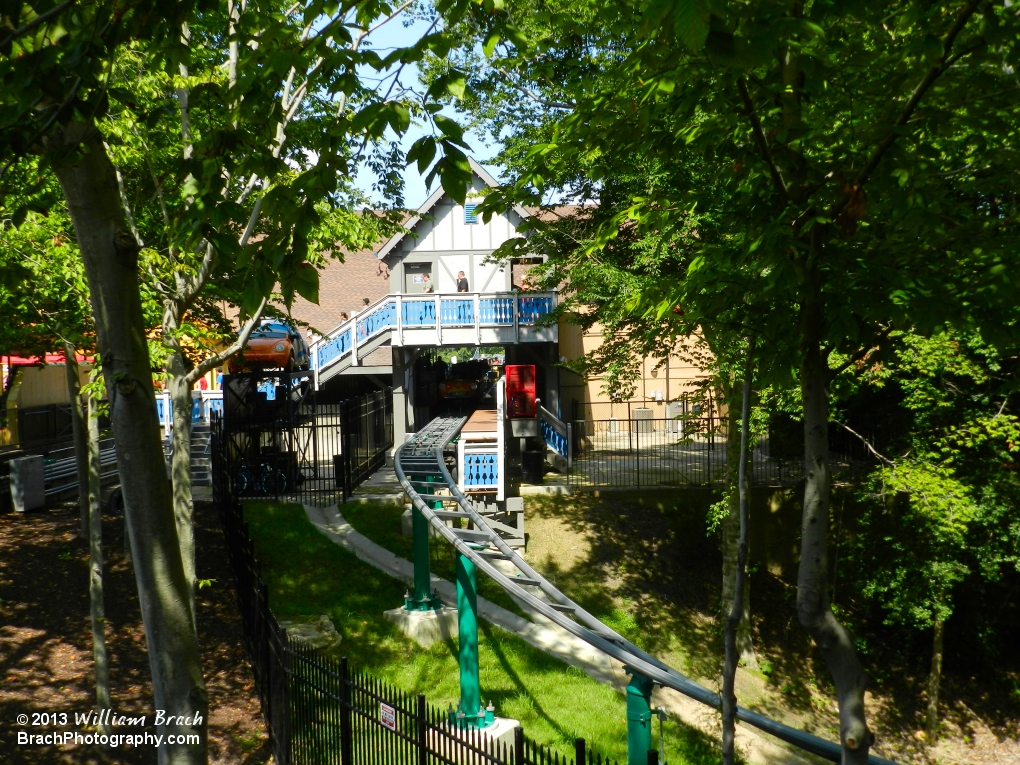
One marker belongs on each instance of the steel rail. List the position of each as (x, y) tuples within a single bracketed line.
[(424, 454)]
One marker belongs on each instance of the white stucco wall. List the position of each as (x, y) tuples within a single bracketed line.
[(445, 240)]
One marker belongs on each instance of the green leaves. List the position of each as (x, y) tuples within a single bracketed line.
[(422, 151), (452, 82)]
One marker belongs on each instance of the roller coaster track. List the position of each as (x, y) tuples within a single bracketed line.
[(422, 457)]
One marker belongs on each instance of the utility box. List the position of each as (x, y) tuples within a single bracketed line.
[(643, 420), (521, 392), (28, 483), (522, 400), (673, 414)]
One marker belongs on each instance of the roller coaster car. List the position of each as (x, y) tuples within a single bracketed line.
[(467, 380), (273, 345)]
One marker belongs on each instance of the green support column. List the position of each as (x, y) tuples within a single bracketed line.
[(639, 719), (421, 599), (471, 713)]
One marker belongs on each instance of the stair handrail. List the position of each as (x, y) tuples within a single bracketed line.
[(563, 429)]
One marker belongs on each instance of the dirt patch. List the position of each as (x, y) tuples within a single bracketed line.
[(46, 642)]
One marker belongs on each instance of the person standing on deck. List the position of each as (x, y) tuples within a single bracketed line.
[(462, 282)]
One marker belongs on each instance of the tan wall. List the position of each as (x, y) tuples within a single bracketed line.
[(40, 386), (674, 380)]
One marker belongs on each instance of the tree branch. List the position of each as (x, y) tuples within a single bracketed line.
[(123, 198), (918, 93), (242, 340), (42, 18), (865, 441), (534, 96), (860, 354), (356, 43), (761, 141)]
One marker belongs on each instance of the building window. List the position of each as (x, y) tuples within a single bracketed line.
[(470, 216)]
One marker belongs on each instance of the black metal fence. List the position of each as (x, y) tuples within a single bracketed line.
[(319, 711), (299, 448), (342, 716), (662, 448)]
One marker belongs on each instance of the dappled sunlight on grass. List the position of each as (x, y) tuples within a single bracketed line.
[(648, 570), (308, 575), (381, 524)]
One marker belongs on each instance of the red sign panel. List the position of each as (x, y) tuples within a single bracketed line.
[(388, 716), (520, 391)]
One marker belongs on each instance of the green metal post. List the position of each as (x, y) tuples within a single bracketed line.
[(467, 615), (421, 599), (639, 719)]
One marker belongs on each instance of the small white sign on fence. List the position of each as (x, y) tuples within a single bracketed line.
[(387, 716)]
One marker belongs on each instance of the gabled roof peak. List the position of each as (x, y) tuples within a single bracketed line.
[(433, 200)]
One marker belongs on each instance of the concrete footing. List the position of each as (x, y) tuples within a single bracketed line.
[(425, 627), (500, 734)]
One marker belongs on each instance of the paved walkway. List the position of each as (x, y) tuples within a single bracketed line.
[(757, 748)]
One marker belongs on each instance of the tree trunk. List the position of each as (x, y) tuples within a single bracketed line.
[(737, 604), (731, 535), (813, 602), (110, 255), (933, 681), (97, 607), (79, 434), (180, 468)]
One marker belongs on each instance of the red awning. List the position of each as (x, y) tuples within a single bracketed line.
[(49, 358)]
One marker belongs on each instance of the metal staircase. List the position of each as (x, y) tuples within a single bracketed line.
[(422, 457), (459, 319)]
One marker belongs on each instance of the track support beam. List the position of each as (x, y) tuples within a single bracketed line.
[(639, 719), (421, 599), (471, 713)]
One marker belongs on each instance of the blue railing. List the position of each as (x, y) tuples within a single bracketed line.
[(481, 471), (457, 313), (497, 311), (419, 312), (383, 317), (557, 434), (533, 308), (334, 348), (203, 405)]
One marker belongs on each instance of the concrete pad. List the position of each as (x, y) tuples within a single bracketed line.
[(377, 499), (425, 627), (318, 634), (551, 489), (498, 735)]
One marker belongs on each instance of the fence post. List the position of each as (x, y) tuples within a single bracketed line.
[(345, 438), (579, 751), (423, 730), (346, 727), (284, 668), (518, 745), (570, 447)]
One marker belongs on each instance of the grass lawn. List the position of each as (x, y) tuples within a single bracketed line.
[(381, 524), (308, 575)]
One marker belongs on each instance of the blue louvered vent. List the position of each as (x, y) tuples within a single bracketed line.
[(469, 214)]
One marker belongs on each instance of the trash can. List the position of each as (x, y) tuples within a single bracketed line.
[(533, 463), (28, 483)]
